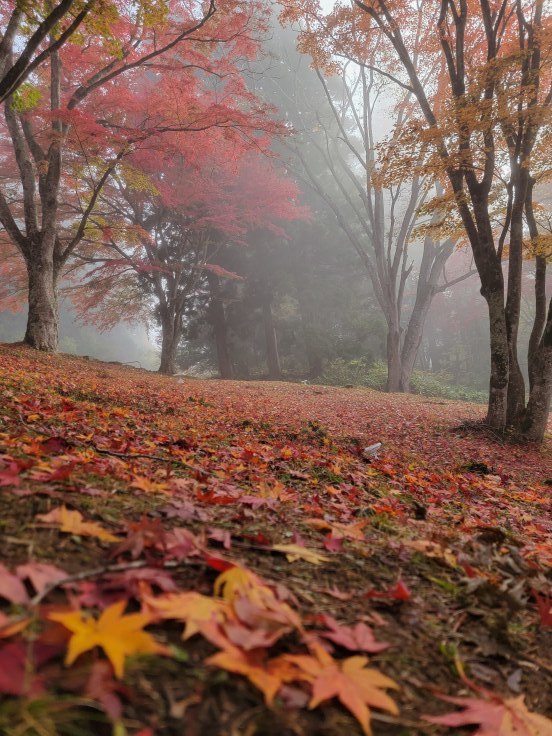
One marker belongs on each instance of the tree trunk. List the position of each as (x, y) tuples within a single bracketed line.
[(220, 330), (273, 359), (170, 338), (516, 382), (534, 421), (498, 388), (42, 321), (393, 360), (302, 276), (413, 336)]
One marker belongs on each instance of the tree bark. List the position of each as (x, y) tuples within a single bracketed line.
[(304, 287), (500, 364), (393, 360), (170, 339), (42, 319), (220, 329), (534, 423), (273, 359), (413, 336)]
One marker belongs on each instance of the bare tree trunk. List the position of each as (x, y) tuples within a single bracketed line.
[(393, 360), (539, 322), (170, 339), (273, 359), (220, 330), (498, 388), (42, 319), (535, 419), (516, 382), (413, 336), (303, 286)]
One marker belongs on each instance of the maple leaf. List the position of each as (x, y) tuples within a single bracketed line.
[(118, 635), (358, 638), (40, 574), (544, 606), (397, 592), (193, 608), (431, 549), (356, 686), (267, 675), (350, 531), (11, 587), (495, 716), (255, 603), (295, 552), (9, 627), (72, 522), (9, 474)]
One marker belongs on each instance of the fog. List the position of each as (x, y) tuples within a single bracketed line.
[(346, 281)]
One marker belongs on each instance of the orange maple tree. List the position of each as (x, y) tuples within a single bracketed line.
[(483, 100)]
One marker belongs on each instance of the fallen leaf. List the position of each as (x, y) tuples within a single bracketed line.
[(11, 587), (495, 716), (295, 552), (433, 550), (192, 608), (544, 607), (357, 638), (72, 522), (267, 676), (40, 574), (118, 635), (9, 474), (356, 686), (397, 592)]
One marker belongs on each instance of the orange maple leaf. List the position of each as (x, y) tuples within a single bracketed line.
[(355, 685), (267, 675), (72, 522), (118, 635)]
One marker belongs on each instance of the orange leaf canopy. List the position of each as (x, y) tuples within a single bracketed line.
[(118, 635)]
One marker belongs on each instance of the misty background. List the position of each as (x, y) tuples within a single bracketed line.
[(304, 307)]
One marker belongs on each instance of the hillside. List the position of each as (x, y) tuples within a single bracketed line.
[(430, 556)]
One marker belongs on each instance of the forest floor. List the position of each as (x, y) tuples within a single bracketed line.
[(251, 515)]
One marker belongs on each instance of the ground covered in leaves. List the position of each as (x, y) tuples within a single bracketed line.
[(190, 558)]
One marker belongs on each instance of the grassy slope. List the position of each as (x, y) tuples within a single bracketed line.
[(460, 517)]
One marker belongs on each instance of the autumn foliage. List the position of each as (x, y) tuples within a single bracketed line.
[(150, 524)]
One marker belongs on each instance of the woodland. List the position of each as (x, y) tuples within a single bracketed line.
[(314, 496)]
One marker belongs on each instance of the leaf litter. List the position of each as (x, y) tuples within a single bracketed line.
[(244, 530)]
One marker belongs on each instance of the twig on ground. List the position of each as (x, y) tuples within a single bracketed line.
[(183, 463)]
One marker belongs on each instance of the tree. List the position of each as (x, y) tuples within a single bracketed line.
[(76, 114), (158, 244), (378, 217), (47, 28), (483, 99)]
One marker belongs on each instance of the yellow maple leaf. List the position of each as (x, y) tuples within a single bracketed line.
[(72, 522), (118, 635), (148, 485), (239, 582), (295, 552), (193, 608)]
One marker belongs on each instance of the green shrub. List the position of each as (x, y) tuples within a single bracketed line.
[(341, 372)]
